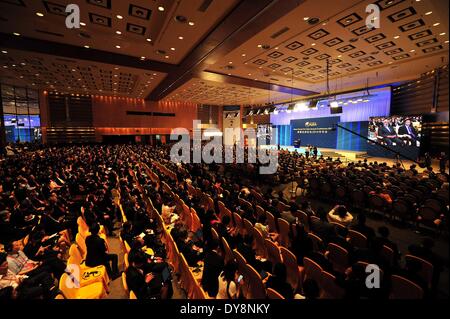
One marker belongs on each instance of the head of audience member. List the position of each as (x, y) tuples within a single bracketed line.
[(137, 259), (94, 229), (262, 219), (229, 271), (341, 211), (248, 240), (226, 220)]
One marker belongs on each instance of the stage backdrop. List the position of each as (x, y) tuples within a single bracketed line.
[(320, 132)]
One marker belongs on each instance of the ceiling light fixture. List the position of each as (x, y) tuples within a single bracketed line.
[(166, 56), (16, 34), (173, 49), (118, 46), (119, 17), (148, 40), (396, 37), (4, 52), (443, 33), (191, 23), (86, 46), (82, 24), (118, 32), (180, 38), (39, 14), (161, 8), (428, 13), (305, 18), (436, 24)]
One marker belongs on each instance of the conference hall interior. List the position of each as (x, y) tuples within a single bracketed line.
[(224, 149)]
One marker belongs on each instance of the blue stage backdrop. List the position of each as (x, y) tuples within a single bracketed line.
[(350, 142), (321, 132)]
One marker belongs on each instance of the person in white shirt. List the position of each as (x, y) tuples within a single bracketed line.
[(228, 283), (339, 214)]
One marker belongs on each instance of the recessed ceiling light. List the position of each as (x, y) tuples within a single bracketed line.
[(443, 33), (16, 34), (154, 73), (180, 38), (436, 24), (119, 17), (115, 75), (313, 44), (161, 8), (390, 62), (191, 23), (148, 40), (86, 46), (118, 46), (249, 74), (428, 13), (243, 54), (39, 14), (4, 52), (166, 56), (23, 63), (173, 49), (339, 56), (446, 41), (412, 50), (73, 70), (118, 32), (142, 57), (396, 37), (116, 68), (306, 18)]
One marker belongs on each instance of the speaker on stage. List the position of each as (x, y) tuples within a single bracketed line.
[(297, 143)]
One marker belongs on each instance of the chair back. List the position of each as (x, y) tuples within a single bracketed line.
[(133, 295), (67, 286), (317, 242), (330, 290), (229, 256), (389, 254), (257, 289), (240, 260), (284, 238), (402, 288), (273, 294), (124, 283), (259, 243), (260, 211), (81, 245), (311, 270), (196, 223), (75, 253), (238, 223), (357, 239), (248, 226), (426, 269), (293, 273), (338, 257), (271, 222), (273, 252)]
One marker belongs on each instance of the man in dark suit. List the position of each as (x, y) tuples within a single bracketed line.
[(407, 131), (144, 285), (213, 266), (388, 133), (97, 253)]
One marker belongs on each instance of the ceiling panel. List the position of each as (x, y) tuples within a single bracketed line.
[(138, 27), (77, 76)]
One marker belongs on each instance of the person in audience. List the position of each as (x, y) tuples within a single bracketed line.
[(389, 134), (362, 228), (97, 253), (15, 286), (383, 237), (302, 245), (379, 191), (229, 287), (278, 281), (339, 214), (425, 250), (213, 266), (306, 208), (145, 285)]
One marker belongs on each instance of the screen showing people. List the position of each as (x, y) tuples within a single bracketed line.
[(396, 131)]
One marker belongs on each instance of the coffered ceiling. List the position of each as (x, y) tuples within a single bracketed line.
[(74, 76), (136, 28), (150, 49), (412, 36)]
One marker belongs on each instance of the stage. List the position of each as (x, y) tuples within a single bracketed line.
[(354, 156)]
